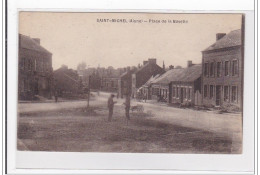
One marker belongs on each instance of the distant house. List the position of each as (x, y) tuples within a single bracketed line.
[(223, 71), (34, 69), (109, 83), (144, 73), (67, 82)]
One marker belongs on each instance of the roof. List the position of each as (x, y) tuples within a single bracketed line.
[(230, 40), (146, 65), (189, 74), (27, 42), (151, 80)]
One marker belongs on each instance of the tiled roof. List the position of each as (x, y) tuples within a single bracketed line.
[(27, 42), (230, 40), (181, 75)]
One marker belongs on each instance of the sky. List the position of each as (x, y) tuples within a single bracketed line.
[(79, 37)]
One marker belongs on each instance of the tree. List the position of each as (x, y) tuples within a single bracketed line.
[(81, 66)]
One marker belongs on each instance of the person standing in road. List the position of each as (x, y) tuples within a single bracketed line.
[(56, 96), (127, 107), (110, 105)]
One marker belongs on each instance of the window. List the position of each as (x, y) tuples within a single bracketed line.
[(188, 93), (218, 69), (226, 68), (211, 91), (226, 93), (155, 91), (184, 93), (234, 94), (206, 68), (30, 64), (173, 92), (177, 92), (212, 69), (205, 90), (234, 67), (35, 63)]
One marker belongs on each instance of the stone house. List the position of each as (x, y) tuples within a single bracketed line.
[(35, 73), (223, 71)]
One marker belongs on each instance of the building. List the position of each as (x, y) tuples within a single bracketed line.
[(223, 71), (67, 82), (186, 87), (147, 87), (109, 83), (160, 86), (144, 73), (179, 85), (125, 82), (34, 70)]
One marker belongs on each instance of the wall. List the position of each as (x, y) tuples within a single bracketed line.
[(223, 55), (187, 87), (35, 74)]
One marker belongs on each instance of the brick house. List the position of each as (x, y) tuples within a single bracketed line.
[(144, 73), (185, 88), (223, 71), (35, 73), (182, 85)]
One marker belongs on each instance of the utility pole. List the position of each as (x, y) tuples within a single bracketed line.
[(89, 81)]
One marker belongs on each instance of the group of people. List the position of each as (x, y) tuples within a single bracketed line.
[(142, 96), (110, 105)]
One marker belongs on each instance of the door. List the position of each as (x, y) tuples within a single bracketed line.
[(218, 95), (181, 97), (36, 88)]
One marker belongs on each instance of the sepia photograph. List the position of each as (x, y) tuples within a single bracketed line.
[(130, 82)]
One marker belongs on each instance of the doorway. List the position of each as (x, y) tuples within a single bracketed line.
[(218, 95), (181, 97)]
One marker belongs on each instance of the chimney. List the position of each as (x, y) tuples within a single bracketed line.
[(152, 60), (219, 36), (189, 63), (37, 40), (145, 62), (171, 67)]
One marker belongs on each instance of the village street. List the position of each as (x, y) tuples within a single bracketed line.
[(196, 123)]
